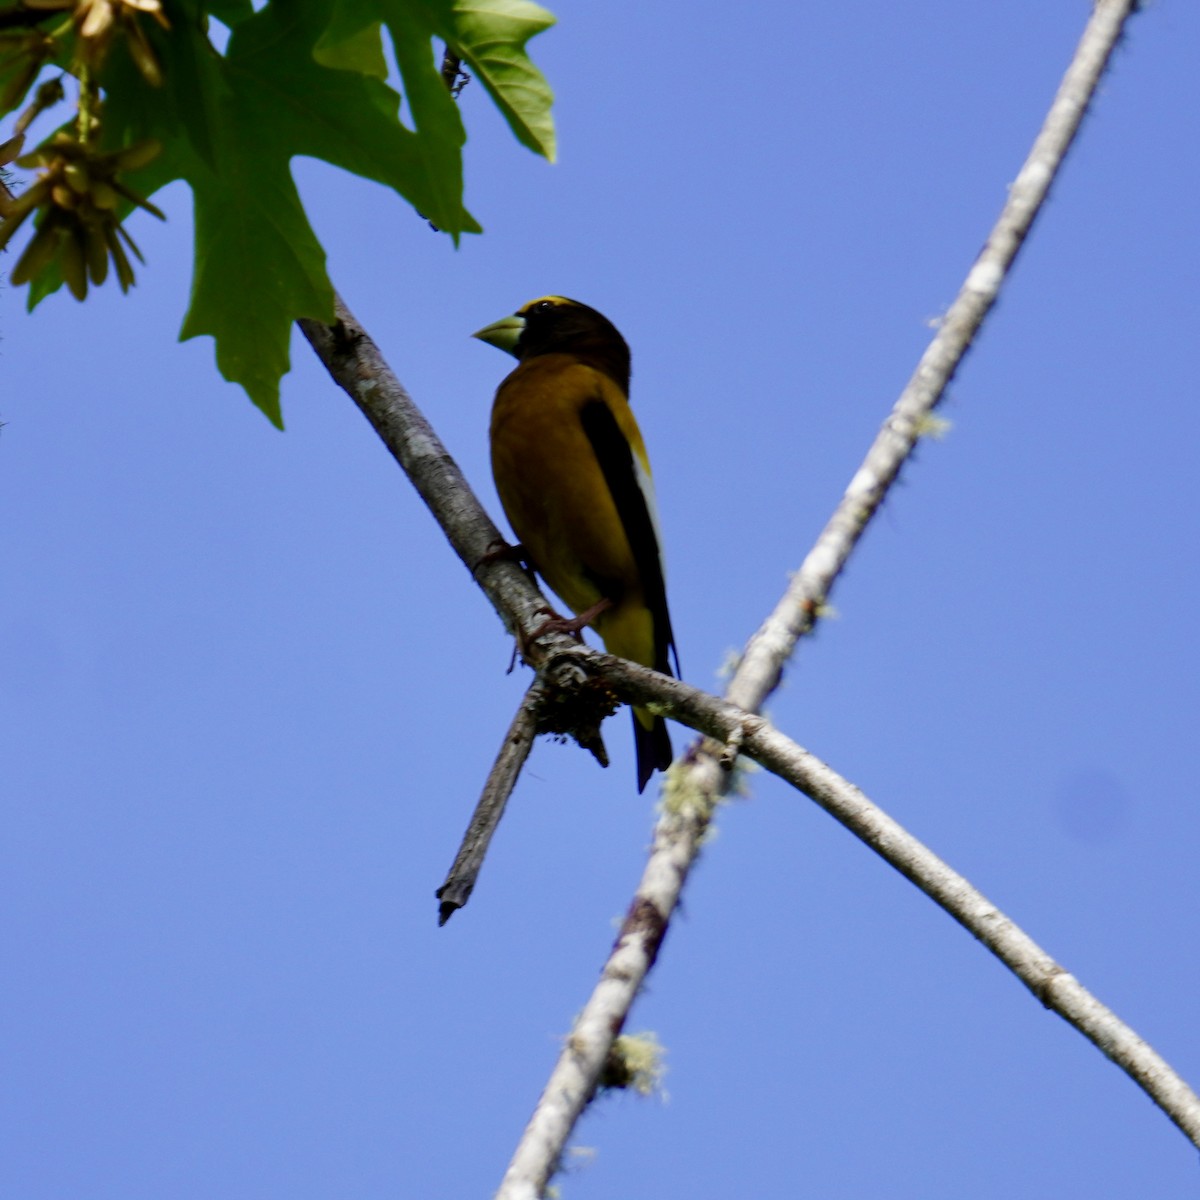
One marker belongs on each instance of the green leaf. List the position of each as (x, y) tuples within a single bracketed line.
[(432, 108), (232, 135), (258, 264), (305, 78), (259, 267), (432, 113), (349, 119), (491, 36), (349, 45), (197, 98)]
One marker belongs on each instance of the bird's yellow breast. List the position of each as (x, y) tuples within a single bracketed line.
[(551, 485)]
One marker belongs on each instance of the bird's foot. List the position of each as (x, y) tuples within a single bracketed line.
[(503, 552), (572, 625), (556, 623)]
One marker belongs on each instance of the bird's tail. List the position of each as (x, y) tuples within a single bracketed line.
[(653, 745)]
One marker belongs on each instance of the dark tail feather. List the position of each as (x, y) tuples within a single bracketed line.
[(654, 751)]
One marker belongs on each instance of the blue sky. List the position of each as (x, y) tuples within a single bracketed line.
[(248, 696)]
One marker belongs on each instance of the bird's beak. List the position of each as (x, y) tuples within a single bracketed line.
[(503, 334)]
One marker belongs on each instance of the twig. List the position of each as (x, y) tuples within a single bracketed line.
[(460, 881), (356, 365), (801, 605), (354, 362), (694, 787), (1050, 983)]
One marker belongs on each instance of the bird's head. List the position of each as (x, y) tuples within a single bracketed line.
[(556, 325)]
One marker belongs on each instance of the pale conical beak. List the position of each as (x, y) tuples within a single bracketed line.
[(503, 334)]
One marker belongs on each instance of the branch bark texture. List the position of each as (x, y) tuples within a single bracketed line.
[(1056, 988), (800, 607), (354, 361), (518, 741)]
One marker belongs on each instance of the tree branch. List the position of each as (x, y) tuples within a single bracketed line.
[(356, 365), (798, 610), (354, 362), (460, 880), (693, 788), (1050, 983)]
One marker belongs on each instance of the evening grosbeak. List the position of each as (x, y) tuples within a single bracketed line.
[(573, 476)]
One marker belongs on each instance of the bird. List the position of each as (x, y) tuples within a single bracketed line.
[(574, 480)]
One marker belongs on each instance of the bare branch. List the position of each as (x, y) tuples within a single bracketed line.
[(693, 788), (354, 362), (460, 881), (1050, 983), (356, 365), (798, 610)]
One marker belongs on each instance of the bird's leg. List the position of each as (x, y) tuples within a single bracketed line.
[(556, 623), (572, 625), (522, 643), (503, 552)]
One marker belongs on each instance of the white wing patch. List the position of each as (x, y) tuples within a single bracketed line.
[(641, 471)]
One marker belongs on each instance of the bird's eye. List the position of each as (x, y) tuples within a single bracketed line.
[(543, 306)]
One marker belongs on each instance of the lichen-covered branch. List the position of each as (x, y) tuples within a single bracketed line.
[(1058, 990)]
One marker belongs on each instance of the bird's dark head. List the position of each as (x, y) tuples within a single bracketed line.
[(556, 325)]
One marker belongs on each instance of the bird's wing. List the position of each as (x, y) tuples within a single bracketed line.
[(632, 489)]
